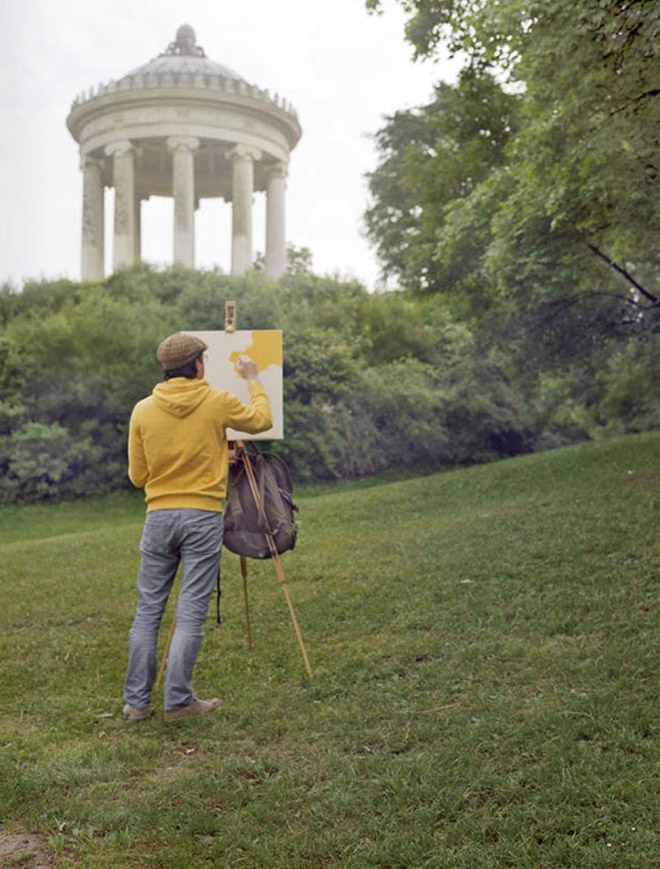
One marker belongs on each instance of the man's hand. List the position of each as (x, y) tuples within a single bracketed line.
[(247, 369)]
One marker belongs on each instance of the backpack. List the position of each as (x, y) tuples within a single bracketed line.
[(245, 525)]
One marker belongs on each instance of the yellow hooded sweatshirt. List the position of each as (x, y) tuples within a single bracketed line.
[(177, 446)]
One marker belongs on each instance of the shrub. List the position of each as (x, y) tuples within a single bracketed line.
[(370, 382), (43, 462)]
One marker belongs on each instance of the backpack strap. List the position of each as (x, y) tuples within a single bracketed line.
[(264, 524), (237, 511)]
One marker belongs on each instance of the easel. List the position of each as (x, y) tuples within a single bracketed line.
[(238, 452), (242, 454)]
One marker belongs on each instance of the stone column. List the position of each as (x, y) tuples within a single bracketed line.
[(183, 188), (123, 179), (275, 232), (93, 226), (137, 241), (242, 159)]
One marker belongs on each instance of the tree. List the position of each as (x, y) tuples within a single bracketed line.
[(430, 158), (570, 208), (298, 261)]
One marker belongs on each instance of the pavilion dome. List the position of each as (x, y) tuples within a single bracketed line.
[(177, 64), (182, 66), (183, 56)]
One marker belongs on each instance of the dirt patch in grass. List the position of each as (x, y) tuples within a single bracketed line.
[(27, 850)]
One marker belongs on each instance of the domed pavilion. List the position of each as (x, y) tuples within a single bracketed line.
[(187, 127)]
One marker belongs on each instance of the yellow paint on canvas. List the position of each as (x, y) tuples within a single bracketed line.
[(265, 350)]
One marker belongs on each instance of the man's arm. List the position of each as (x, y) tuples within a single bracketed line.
[(257, 417), (137, 463)]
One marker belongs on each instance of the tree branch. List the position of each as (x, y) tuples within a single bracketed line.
[(631, 280), (552, 309), (633, 100)]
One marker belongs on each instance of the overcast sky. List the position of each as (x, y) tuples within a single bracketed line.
[(342, 69)]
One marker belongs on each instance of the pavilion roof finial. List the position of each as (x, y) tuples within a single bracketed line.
[(184, 44)]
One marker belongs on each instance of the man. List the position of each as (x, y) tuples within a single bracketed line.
[(177, 450)]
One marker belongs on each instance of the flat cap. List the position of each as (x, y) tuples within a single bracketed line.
[(179, 349)]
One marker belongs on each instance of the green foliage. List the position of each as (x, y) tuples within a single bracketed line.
[(511, 215), (298, 261), (12, 381), (371, 382), (311, 448), (631, 399), (406, 405), (202, 304), (85, 358), (430, 158), (525, 194), (42, 462), (317, 368)]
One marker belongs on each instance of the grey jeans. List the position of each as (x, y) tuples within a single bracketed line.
[(192, 538)]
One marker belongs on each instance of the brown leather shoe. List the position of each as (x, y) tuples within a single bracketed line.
[(197, 707), (134, 713)]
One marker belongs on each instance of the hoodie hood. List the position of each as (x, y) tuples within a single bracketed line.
[(180, 395)]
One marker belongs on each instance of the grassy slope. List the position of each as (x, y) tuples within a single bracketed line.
[(485, 688)]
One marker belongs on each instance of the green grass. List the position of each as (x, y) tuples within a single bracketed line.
[(485, 693)]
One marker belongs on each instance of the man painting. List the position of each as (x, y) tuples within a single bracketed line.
[(177, 451)]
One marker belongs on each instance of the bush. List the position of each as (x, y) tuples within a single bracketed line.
[(43, 462), (631, 400), (371, 382), (12, 382)]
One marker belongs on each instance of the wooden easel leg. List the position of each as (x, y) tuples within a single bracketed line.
[(245, 597), (285, 588)]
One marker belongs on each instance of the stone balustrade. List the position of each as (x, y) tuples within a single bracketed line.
[(151, 80)]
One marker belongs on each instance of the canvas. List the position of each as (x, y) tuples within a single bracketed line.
[(264, 347)]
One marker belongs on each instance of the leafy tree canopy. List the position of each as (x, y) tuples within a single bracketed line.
[(573, 173), (430, 158)]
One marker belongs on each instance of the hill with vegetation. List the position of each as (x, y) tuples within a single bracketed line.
[(484, 647), (371, 381)]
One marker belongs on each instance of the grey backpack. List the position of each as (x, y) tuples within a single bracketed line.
[(245, 525)]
